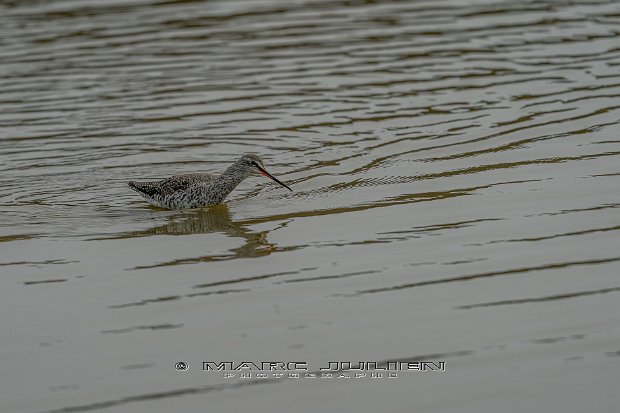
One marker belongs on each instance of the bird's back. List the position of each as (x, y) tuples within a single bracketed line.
[(164, 192)]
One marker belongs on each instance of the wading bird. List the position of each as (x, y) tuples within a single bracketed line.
[(201, 189)]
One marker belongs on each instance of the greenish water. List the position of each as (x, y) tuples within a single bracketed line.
[(456, 191)]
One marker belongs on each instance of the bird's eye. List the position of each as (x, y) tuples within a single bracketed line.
[(253, 163)]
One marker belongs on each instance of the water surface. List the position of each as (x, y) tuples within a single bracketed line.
[(455, 173)]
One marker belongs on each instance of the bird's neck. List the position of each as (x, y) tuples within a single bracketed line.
[(226, 183)]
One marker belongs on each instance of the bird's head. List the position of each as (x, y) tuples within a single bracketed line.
[(252, 164)]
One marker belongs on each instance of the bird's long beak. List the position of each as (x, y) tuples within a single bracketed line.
[(268, 175)]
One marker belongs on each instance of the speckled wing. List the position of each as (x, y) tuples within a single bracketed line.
[(169, 186)]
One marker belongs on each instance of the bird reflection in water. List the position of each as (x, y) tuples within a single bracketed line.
[(214, 219)]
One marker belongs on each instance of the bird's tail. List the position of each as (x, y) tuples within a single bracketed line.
[(133, 185), (144, 188)]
